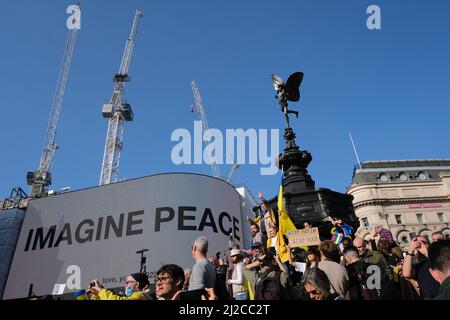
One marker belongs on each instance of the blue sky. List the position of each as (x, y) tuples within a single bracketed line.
[(388, 87)]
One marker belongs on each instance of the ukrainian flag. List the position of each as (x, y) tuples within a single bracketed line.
[(80, 295)]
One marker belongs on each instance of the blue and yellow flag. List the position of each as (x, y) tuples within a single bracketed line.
[(80, 295)]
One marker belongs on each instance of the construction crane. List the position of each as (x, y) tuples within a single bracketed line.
[(41, 178), (232, 171), (210, 157), (117, 111)]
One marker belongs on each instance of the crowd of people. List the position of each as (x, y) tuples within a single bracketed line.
[(344, 267)]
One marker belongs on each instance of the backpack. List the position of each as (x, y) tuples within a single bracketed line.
[(269, 288)]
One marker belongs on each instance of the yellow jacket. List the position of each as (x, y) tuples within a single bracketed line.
[(105, 294)]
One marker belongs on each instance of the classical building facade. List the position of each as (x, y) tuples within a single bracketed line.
[(406, 196)]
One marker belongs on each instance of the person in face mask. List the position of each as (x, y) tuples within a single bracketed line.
[(135, 289)]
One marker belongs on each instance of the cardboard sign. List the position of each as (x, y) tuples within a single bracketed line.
[(304, 237)]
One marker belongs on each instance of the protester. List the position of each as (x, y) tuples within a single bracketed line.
[(257, 250), (220, 288), (419, 269), (317, 286), (203, 273), (298, 266), (340, 230), (439, 253), (409, 288), (214, 261), (385, 248), (313, 257), (379, 232), (264, 212), (240, 291), (170, 280), (135, 286), (347, 241), (270, 283), (371, 257), (337, 274), (358, 275), (221, 271), (257, 236)]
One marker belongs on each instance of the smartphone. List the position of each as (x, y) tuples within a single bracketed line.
[(412, 235), (193, 295)]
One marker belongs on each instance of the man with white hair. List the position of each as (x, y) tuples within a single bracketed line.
[(203, 273)]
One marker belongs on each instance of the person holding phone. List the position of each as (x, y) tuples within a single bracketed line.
[(135, 289), (429, 287)]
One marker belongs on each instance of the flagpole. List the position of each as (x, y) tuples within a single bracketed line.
[(354, 149)]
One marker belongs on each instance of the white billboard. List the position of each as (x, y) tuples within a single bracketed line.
[(75, 237)]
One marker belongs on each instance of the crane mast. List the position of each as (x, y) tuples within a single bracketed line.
[(210, 157), (41, 178), (117, 111)]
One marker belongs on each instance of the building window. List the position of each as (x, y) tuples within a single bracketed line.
[(383, 177), (404, 239), (365, 222), (441, 217), (398, 218), (402, 176), (419, 217), (422, 175)]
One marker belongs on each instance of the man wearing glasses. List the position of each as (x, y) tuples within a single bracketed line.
[(170, 280)]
